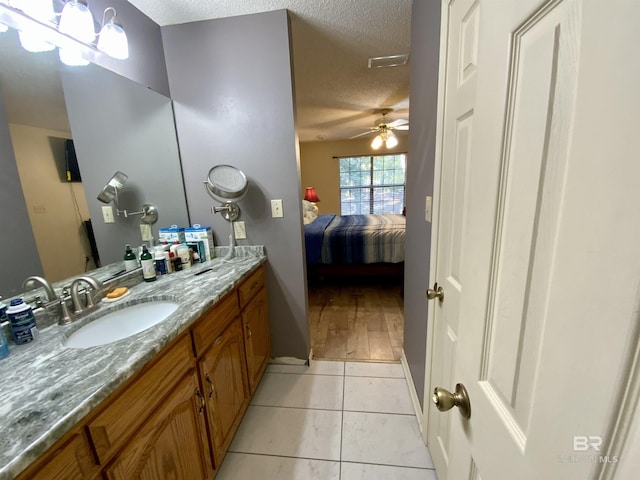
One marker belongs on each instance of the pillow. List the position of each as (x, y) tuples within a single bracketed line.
[(307, 206)]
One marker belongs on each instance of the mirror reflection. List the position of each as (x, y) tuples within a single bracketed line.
[(114, 124)]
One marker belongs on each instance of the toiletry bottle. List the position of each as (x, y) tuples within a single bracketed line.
[(185, 256), (130, 262), (176, 262), (4, 345), (148, 266), (158, 257), (23, 323)]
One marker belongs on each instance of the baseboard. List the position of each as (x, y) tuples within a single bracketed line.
[(412, 391), (289, 361)]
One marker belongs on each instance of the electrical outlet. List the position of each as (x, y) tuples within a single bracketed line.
[(107, 214), (276, 209), (240, 230)]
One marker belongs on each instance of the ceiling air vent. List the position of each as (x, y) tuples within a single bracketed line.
[(389, 61)]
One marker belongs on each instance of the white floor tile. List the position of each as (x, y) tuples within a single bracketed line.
[(381, 395), (300, 391), (367, 369), (383, 439), (361, 471), (317, 367), (290, 432), (241, 466)]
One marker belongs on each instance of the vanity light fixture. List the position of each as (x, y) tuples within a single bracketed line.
[(30, 36), (73, 34), (113, 39)]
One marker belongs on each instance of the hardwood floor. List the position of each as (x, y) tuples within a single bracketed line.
[(356, 322)]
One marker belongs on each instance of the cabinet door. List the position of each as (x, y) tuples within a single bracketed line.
[(73, 461), (172, 443), (224, 379), (257, 337)]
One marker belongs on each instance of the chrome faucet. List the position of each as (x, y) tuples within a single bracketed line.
[(89, 304), (30, 282)]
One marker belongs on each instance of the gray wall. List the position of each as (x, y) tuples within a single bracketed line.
[(145, 64), (118, 124), (231, 83), (16, 236), (425, 44)]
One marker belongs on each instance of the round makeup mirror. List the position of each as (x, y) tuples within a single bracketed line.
[(227, 184)]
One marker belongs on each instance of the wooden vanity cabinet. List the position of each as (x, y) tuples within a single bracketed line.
[(255, 319), (177, 416), (72, 460), (172, 442), (223, 376)]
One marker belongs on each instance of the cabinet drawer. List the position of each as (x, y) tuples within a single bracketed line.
[(251, 286), (128, 410), (72, 461), (214, 322)]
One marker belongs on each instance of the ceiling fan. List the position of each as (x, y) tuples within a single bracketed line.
[(384, 129)]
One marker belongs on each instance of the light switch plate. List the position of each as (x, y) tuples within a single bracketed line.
[(107, 214), (428, 206), (240, 230), (276, 209)]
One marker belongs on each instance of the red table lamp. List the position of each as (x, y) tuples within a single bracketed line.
[(311, 195)]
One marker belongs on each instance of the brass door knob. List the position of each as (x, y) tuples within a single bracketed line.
[(445, 400), (435, 292)]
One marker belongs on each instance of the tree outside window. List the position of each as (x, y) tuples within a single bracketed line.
[(372, 184)]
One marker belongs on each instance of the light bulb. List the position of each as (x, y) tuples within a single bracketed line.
[(72, 57), (77, 22), (113, 41), (377, 142), (30, 38), (392, 140)]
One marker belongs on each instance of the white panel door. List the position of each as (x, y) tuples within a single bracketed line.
[(538, 243)]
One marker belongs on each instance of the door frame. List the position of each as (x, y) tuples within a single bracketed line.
[(435, 211), (624, 433)]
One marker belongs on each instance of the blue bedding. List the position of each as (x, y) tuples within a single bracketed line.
[(355, 239), (313, 236)]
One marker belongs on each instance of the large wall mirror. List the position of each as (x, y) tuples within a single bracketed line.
[(115, 124)]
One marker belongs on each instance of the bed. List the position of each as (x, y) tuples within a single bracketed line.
[(355, 244)]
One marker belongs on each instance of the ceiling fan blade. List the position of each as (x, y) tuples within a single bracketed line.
[(401, 127), (397, 123), (362, 134)]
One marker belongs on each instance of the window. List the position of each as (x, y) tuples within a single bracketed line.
[(372, 184)]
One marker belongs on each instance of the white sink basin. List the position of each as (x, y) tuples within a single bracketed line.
[(121, 324)]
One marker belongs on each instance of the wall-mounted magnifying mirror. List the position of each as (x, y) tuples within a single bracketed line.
[(228, 185), (149, 213)]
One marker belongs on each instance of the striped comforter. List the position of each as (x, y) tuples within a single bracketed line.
[(355, 239)]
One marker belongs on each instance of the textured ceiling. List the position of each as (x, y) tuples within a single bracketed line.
[(336, 94)]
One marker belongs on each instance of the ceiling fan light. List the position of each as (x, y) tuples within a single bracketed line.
[(392, 140), (77, 22), (377, 142)]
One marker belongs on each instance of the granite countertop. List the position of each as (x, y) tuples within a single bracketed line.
[(46, 388)]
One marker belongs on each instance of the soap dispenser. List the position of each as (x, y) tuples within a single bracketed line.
[(148, 266), (130, 262)]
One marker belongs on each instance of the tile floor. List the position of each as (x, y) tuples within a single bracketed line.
[(329, 421)]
